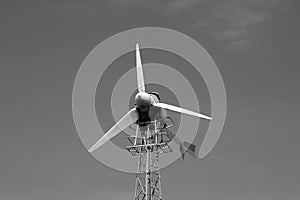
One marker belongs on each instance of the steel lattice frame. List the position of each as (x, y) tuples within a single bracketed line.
[(153, 140)]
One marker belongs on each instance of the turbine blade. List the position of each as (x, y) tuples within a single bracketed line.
[(139, 70), (181, 110), (122, 124)]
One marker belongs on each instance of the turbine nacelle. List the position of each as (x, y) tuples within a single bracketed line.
[(143, 101)]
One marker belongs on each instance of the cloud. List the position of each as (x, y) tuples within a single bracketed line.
[(182, 3), (176, 6), (127, 3), (233, 23), (166, 6), (236, 23), (240, 24)]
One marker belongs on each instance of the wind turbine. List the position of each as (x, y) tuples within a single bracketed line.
[(152, 135)]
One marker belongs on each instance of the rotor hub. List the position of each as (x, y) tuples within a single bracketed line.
[(143, 100)]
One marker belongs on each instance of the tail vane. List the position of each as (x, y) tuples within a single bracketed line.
[(182, 151), (190, 148)]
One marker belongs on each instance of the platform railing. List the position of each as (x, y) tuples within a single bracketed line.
[(155, 136)]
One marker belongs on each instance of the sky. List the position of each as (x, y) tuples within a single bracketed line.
[(255, 45)]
